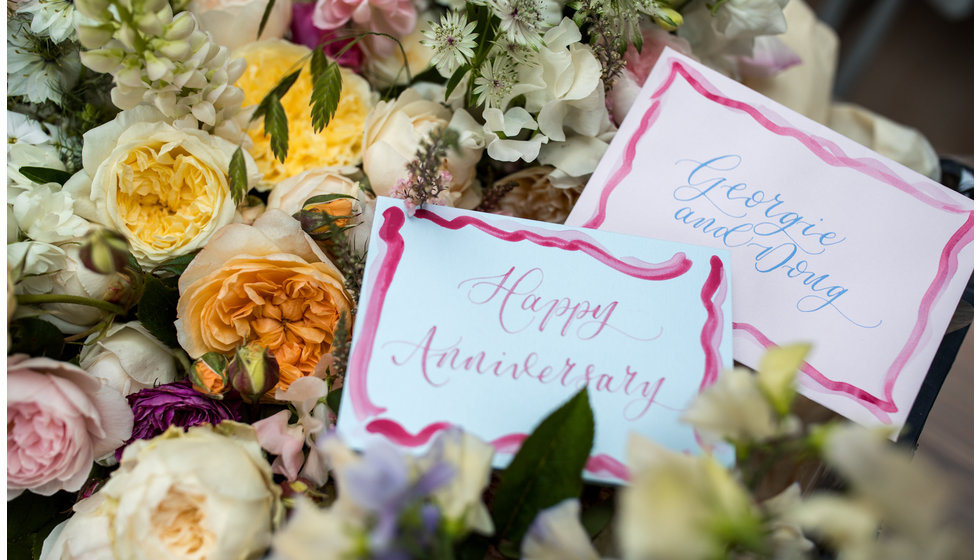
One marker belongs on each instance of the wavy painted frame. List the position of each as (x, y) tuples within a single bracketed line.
[(391, 247), (831, 154)]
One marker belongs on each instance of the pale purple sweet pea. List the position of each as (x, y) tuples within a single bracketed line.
[(305, 33), (176, 404)]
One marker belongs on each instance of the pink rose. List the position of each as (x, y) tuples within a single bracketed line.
[(638, 67), (394, 17), (306, 33), (59, 420)]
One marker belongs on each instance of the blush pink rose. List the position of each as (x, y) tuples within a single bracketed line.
[(394, 17), (59, 420), (638, 67)]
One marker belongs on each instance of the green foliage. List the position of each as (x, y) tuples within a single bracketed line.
[(238, 176), (546, 470), (174, 267), (35, 337), (30, 518), (265, 18), (277, 127), (327, 84), (157, 308), (44, 175)]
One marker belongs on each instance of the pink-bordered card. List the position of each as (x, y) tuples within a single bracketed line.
[(831, 243), (491, 322)]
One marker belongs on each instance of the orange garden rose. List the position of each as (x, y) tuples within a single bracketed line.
[(266, 283)]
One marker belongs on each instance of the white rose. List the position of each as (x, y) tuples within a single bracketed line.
[(28, 155), (233, 23), (34, 264), (165, 188), (206, 493), (128, 358), (392, 135), (46, 213), (384, 71), (290, 194)]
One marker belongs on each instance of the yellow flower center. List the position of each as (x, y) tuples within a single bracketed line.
[(179, 521), (165, 196)]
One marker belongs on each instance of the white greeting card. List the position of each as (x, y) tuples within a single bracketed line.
[(491, 323), (831, 243)]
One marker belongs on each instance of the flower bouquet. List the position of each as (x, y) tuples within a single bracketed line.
[(191, 187)]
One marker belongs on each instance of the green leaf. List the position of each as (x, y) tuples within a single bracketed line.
[(326, 95), (455, 79), (30, 518), (546, 470), (265, 18), (318, 63), (277, 127), (174, 266), (333, 400), (44, 175), (36, 337), (275, 95), (238, 176), (323, 198), (157, 309)]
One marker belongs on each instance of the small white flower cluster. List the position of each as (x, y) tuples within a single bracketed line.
[(164, 60)]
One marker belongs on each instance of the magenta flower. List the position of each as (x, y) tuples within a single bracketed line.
[(394, 17), (305, 33), (176, 404)]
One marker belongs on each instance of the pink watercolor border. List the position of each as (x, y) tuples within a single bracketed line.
[(713, 295), (833, 155)]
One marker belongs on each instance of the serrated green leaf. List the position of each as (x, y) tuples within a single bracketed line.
[(546, 470), (44, 175), (36, 337), (455, 79), (276, 94), (318, 63), (265, 18), (157, 309), (237, 176), (277, 127), (322, 198), (326, 95), (175, 266)]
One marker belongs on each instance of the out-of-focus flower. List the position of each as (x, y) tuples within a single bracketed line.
[(557, 534), (46, 213), (531, 195), (385, 70), (104, 251), (461, 499), (314, 533), (128, 358), (50, 18), (33, 75), (750, 18), (59, 420), (305, 33), (234, 23), (392, 135), (394, 17), (253, 371), (158, 408), (890, 139), (291, 194), (286, 441), (207, 493), (681, 506), (267, 283), (164, 188), (339, 144), (638, 66)]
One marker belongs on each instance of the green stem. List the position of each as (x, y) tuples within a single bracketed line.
[(29, 299)]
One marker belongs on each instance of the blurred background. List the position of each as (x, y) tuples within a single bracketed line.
[(913, 62)]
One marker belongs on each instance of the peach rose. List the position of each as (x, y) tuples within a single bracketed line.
[(266, 283)]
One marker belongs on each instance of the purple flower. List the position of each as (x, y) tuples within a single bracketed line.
[(176, 404), (305, 33)]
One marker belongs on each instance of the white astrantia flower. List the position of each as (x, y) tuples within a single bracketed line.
[(523, 21), (34, 75), (453, 40), (495, 81), (51, 18)]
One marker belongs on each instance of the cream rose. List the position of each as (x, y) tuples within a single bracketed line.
[(206, 493), (267, 283), (290, 194), (128, 358), (165, 188), (234, 23), (392, 134)]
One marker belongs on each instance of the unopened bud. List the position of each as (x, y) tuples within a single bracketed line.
[(209, 375), (105, 251), (253, 372)]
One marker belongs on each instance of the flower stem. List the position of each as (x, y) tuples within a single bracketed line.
[(29, 299)]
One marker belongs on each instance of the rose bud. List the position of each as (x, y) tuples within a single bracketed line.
[(105, 251), (253, 372), (210, 375)]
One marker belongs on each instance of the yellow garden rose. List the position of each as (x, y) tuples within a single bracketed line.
[(163, 186), (338, 144), (266, 283)]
